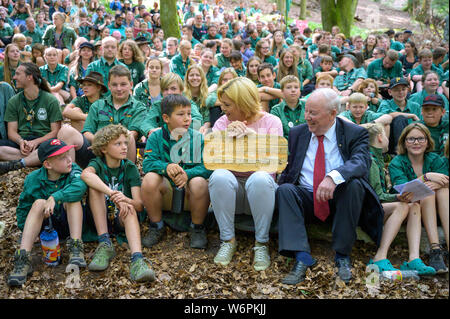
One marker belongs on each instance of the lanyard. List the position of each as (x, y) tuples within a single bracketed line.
[(29, 111)]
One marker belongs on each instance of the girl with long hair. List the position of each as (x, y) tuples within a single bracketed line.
[(262, 51), (12, 61), (252, 69), (278, 44), (288, 66), (132, 57), (149, 90), (77, 68), (196, 90)]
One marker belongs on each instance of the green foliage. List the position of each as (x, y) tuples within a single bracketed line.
[(440, 8)]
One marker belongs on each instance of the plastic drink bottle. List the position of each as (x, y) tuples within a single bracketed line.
[(399, 275), (50, 246)]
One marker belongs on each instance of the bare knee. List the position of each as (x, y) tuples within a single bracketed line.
[(152, 182)]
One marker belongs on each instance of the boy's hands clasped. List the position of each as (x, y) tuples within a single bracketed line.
[(177, 174)]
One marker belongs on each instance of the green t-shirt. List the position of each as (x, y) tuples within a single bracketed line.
[(36, 36), (103, 113), (213, 75), (376, 71), (389, 106), (439, 134), (121, 178), (137, 70), (142, 93), (222, 61), (59, 74), (82, 103), (346, 80), (33, 118), (289, 117), (101, 66), (419, 71), (7, 31), (179, 67), (367, 117)]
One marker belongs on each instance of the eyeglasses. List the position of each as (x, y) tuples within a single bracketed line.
[(412, 140), (265, 48)]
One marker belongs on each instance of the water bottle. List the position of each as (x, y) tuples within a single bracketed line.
[(50, 245), (400, 275), (178, 200)]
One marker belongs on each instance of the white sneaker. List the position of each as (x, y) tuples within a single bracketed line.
[(225, 253), (261, 260)]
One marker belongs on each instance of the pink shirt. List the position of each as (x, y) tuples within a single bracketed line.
[(268, 124)]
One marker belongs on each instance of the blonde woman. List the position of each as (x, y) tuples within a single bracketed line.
[(132, 57), (196, 90), (288, 66), (415, 160), (231, 191)]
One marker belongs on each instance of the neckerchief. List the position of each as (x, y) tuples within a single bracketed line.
[(29, 111), (111, 181)]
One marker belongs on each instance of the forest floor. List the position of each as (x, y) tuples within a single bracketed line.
[(183, 272)]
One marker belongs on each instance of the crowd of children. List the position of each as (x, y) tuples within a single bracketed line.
[(125, 90)]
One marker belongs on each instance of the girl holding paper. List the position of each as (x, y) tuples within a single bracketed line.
[(417, 161), (396, 208)]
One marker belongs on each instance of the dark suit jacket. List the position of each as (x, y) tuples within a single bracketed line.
[(353, 145)]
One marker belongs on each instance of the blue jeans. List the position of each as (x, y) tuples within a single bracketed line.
[(230, 195)]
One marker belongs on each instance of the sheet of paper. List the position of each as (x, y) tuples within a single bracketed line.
[(419, 189)]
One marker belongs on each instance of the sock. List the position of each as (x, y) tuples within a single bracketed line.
[(157, 225), (136, 256), (258, 244), (340, 256), (304, 257), (196, 226), (104, 238)]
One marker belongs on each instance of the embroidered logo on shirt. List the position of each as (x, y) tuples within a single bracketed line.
[(42, 114)]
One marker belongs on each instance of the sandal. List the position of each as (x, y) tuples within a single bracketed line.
[(383, 265), (418, 265)]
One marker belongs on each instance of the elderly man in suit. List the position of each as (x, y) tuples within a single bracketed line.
[(326, 180)]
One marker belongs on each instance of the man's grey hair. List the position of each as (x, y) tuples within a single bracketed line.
[(333, 99)]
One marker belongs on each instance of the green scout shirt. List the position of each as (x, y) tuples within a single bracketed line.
[(211, 99), (242, 72), (376, 71), (60, 74), (131, 177), (142, 93), (155, 157), (188, 15), (401, 170), (101, 66), (82, 103), (439, 134), (345, 81), (103, 113), (208, 37), (289, 117), (7, 31), (377, 176), (43, 28), (179, 67), (153, 118), (254, 41), (146, 35), (36, 36), (213, 75), (263, 34), (272, 60), (367, 117), (33, 118), (306, 68), (6, 92), (389, 106), (73, 80), (137, 70), (69, 188), (419, 71), (68, 37), (222, 61)]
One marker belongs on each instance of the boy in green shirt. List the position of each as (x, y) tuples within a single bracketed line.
[(386, 69), (33, 116), (115, 200), (358, 112), (291, 110), (351, 75), (433, 112), (118, 108), (53, 194), (426, 64), (166, 168), (269, 90)]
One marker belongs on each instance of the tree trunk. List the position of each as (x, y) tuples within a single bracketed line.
[(302, 9), (169, 19), (338, 12)]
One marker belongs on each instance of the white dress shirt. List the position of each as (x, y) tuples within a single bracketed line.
[(333, 159)]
